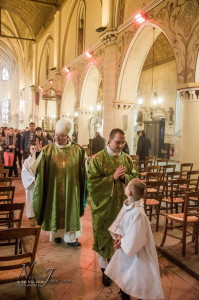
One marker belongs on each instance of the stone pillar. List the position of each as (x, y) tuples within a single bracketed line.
[(124, 114), (109, 82), (57, 41), (190, 126), (83, 127)]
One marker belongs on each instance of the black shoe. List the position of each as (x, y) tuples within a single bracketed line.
[(58, 240), (74, 244), (124, 296), (106, 280)]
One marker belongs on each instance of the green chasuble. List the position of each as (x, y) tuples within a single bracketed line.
[(58, 199), (107, 196)]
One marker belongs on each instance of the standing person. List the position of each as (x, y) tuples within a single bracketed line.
[(134, 265), (39, 136), (108, 172), (26, 139), (28, 180), (9, 145), (17, 151), (97, 144), (58, 198), (143, 146)]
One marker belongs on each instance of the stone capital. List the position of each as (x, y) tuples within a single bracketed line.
[(189, 94), (125, 106), (109, 38)]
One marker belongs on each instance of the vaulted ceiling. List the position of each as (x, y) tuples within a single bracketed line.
[(33, 15)]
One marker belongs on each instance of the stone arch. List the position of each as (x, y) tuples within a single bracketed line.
[(130, 75), (47, 49)]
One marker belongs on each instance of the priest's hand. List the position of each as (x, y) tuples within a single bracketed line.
[(117, 243), (119, 173)]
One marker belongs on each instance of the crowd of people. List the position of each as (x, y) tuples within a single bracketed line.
[(57, 184)]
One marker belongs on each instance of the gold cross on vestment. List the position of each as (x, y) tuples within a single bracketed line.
[(63, 164)]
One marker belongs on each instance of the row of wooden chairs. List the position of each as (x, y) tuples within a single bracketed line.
[(179, 202), (14, 268)]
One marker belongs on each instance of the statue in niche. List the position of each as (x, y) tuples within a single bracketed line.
[(139, 118), (170, 114)]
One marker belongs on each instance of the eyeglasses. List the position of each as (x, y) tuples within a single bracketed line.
[(119, 143)]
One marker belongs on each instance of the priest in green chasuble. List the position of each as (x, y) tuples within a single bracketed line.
[(109, 172), (58, 199)]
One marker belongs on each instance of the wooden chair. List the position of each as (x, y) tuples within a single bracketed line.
[(151, 157), (153, 168), (153, 176), (181, 221), (4, 172), (20, 267), (168, 168), (11, 217), (193, 177), (134, 157), (175, 196), (7, 194), (161, 161), (6, 181), (153, 198), (184, 168)]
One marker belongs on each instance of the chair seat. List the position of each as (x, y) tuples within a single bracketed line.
[(193, 198), (151, 190), (169, 188), (10, 275), (180, 217), (184, 186), (175, 200), (152, 202)]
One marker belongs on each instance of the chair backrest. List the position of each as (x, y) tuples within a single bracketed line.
[(153, 168), (151, 157), (13, 216), (186, 167), (173, 175), (144, 164), (6, 181), (176, 187), (155, 190), (134, 157), (160, 161), (4, 172), (151, 176), (7, 194), (193, 176), (15, 261), (190, 210), (168, 168)]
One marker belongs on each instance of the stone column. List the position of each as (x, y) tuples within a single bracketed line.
[(83, 127), (57, 41), (109, 82), (124, 114), (190, 126)]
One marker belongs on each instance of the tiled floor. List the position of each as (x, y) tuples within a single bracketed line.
[(80, 267)]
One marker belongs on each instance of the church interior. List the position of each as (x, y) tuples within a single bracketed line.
[(104, 64)]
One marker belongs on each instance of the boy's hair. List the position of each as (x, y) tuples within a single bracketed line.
[(114, 131), (137, 188), (32, 144)]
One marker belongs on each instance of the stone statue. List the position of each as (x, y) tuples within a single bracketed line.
[(139, 118), (170, 114)]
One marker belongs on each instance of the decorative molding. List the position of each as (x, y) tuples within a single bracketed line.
[(125, 106), (84, 112), (189, 94), (110, 37)]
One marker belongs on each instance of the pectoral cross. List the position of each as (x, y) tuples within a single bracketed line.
[(63, 164)]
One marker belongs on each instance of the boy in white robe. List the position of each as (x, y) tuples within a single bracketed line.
[(28, 180), (134, 265)]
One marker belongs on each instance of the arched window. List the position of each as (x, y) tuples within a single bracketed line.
[(5, 110), (47, 60), (81, 29), (4, 74)]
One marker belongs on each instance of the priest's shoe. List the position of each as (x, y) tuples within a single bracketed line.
[(74, 244), (106, 280), (58, 240), (123, 295)]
